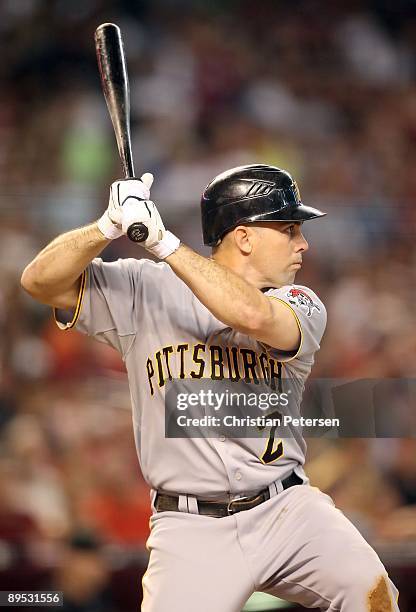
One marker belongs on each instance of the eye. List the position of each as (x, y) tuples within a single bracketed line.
[(291, 230)]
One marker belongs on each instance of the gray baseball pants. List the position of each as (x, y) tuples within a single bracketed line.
[(296, 546)]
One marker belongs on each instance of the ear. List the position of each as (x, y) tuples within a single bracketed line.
[(243, 238)]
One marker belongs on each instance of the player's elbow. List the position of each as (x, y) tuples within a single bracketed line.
[(30, 282), (27, 280), (58, 296)]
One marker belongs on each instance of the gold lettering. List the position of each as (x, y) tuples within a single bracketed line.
[(161, 380), (168, 350), (232, 360), (182, 348), (275, 374), (198, 360), (217, 362), (249, 364), (264, 365), (150, 374)]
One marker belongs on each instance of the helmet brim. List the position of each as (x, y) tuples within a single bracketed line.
[(288, 213)]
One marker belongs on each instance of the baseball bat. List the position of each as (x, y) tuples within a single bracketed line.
[(115, 85)]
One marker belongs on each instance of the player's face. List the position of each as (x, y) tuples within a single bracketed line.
[(277, 255)]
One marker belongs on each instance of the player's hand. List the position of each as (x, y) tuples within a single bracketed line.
[(159, 242), (128, 190), (143, 212), (121, 192)]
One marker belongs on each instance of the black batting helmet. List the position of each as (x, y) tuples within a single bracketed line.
[(247, 194)]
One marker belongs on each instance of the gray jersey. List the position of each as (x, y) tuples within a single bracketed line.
[(164, 332)]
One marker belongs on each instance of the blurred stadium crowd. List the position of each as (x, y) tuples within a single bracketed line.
[(328, 92)]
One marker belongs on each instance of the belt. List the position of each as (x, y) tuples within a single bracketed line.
[(164, 502)]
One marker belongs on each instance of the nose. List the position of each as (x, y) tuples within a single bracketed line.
[(302, 244)]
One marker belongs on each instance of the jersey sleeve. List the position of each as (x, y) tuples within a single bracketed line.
[(310, 315), (108, 303)]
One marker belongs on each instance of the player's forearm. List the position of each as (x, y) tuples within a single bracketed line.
[(58, 266), (228, 296)]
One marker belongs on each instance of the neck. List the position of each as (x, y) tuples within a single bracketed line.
[(240, 265)]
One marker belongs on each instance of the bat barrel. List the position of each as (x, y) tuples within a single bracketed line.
[(115, 83)]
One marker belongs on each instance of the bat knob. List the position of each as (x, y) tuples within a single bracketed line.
[(138, 232)]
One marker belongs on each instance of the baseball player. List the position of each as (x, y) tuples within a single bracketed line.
[(230, 515)]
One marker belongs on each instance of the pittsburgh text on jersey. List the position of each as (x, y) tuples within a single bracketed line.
[(213, 361)]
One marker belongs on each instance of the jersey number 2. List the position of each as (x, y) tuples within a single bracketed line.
[(271, 453)]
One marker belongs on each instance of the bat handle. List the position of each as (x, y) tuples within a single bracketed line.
[(136, 232)]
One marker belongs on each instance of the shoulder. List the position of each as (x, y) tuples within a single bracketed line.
[(302, 299), (310, 314), (130, 267)]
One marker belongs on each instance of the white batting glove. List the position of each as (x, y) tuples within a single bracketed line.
[(122, 191), (159, 242)]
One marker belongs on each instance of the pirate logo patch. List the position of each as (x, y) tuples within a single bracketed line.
[(300, 298)]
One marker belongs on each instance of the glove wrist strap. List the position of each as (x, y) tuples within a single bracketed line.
[(107, 227), (165, 247)]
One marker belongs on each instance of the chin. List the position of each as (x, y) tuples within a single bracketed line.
[(281, 278), (282, 281)]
